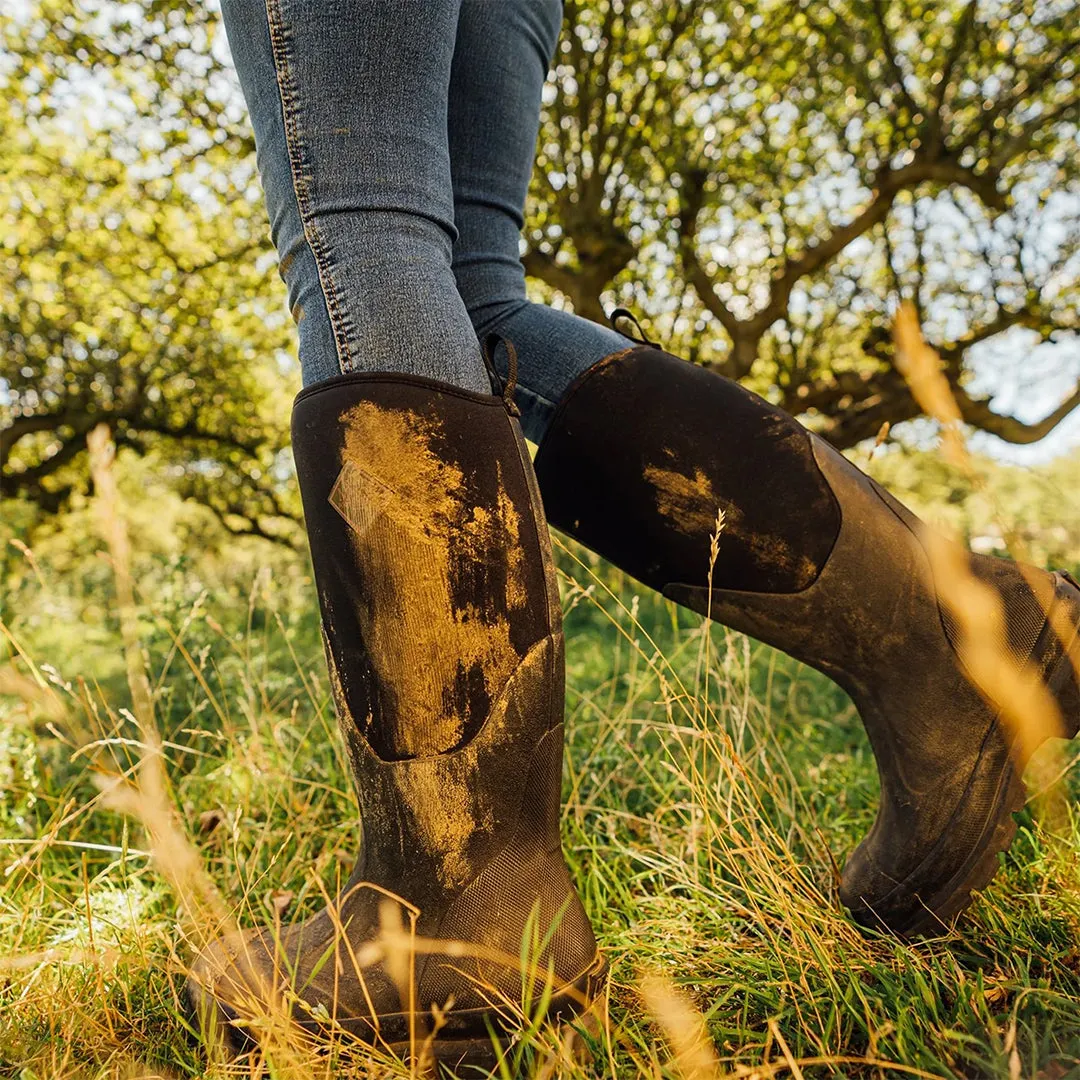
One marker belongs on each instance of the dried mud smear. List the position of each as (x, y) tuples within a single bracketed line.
[(688, 502), (691, 504), (413, 528)]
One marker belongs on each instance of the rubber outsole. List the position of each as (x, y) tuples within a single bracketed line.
[(469, 1057)]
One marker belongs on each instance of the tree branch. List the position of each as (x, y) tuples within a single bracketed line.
[(23, 480), (1018, 142), (978, 413), (746, 333), (952, 355), (629, 138), (856, 404), (961, 31), (691, 203), (191, 430), (22, 426), (890, 184), (254, 527), (1007, 102), (890, 55)]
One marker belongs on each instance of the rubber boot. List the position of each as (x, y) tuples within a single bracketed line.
[(818, 560), (443, 637)]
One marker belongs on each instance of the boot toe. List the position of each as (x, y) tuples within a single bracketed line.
[(229, 984), (912, 883)]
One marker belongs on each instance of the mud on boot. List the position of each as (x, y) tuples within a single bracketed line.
[(443, 637)]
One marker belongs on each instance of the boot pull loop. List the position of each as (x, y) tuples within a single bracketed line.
[(625, 313), (504, 389)]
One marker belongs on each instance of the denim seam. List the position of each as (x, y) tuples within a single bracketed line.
[(279, 48)]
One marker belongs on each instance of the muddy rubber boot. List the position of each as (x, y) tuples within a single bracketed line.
[(818, 560), (443, 637)]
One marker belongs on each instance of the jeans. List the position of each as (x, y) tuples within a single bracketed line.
[(395, 141)]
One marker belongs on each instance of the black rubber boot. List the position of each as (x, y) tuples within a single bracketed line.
[(816, 559), (444, 642)]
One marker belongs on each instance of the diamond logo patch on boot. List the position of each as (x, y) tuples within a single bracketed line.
[(359, 498)]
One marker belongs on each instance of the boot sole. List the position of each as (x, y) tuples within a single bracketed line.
[(983, 864), (477, 1040)]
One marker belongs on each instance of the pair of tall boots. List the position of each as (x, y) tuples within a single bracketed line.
[(443, 637)]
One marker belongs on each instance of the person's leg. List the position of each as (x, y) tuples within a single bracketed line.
[(815, 558), (349, 111), (431, 560), (501, 59)]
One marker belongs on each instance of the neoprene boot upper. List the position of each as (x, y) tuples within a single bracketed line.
[(443, 638), (816, 559)]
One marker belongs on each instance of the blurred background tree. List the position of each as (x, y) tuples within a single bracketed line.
[(769, 180), (138, 285), (763, 182)]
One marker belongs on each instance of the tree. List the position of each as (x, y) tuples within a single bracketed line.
[(138, 286), (787, 172), (764, 179)]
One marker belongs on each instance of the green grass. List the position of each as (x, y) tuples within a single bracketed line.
[(712, 788)]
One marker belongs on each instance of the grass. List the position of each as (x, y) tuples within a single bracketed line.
[(712, 787)]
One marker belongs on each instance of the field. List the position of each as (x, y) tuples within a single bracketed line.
[(712, 788)]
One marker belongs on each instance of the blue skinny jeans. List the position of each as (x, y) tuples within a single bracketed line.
[(395, 141)]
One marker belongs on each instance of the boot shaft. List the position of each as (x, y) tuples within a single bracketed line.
[(812, 555), (441, 622), (443, 636), (646, 448)]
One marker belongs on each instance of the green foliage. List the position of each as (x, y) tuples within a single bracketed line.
[(137, 287), (1033, 514)]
